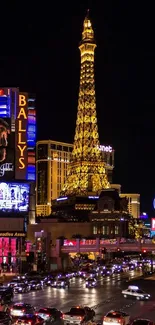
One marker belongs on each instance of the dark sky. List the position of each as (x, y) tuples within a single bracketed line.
[(39, 54)]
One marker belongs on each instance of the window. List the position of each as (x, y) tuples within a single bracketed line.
[(94, 230), (103, 230), (116, 230)]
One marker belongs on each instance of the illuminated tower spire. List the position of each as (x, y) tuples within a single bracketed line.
[(86, 172)]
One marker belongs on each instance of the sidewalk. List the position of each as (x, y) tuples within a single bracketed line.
[(151, 277), (6, 277)]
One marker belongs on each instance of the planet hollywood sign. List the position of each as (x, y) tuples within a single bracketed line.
[(105, 148)]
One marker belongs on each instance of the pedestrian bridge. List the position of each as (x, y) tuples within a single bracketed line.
[(111, 245)]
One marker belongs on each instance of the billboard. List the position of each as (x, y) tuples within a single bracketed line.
[(153, 224), (21, 137), (14, 197), (6, 150)]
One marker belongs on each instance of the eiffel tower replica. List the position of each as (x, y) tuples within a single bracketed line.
[(86, 175)]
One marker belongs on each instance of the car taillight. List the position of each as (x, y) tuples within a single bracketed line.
[(119, 321), (36, 314), (63, 316), (29, 323), (23, 310)]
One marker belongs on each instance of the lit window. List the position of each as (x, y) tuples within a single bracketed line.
[(95, 230), (116, 230), (103, 230)]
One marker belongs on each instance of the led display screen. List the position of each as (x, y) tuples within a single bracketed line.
[(14, 197), (6, 150)]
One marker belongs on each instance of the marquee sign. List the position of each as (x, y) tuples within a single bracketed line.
[(12, 234), (21, 136)]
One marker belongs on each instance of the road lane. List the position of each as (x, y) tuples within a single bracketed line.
[(77, 294), (105, 297)]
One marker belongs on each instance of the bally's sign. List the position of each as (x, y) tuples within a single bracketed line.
[(21, 137)]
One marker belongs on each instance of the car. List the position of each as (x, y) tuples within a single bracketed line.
[(61, 283), (50, 314), (21, 309), (113, 317), (135, 292), (78, 315), (21, 288), (35, 284), (30, 319), (14, 283), (91, 283), (141, 321), (5, 318)]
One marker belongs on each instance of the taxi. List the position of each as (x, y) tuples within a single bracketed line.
[(135, 292)]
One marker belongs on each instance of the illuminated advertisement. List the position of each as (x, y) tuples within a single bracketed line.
[(21, 137), (105, 148), (5, 103), (14, 197), (6, 150), (25, 138), (17, 135), (153, 224), (31, 140)]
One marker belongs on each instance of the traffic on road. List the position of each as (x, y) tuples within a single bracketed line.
[(114, 293)]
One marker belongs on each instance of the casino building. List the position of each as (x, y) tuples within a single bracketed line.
[(17, 172), (52, 159)]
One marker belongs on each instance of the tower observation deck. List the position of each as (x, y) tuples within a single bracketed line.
[(86, 172)]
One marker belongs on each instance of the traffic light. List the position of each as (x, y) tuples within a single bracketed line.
[(30, 257)]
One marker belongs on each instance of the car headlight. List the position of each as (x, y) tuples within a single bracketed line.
[(62, 283), (86, 282)]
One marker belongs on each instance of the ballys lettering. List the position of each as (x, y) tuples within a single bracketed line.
[(21, 144)]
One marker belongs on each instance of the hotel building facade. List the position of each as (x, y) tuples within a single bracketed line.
[(133, 204), (52, 159)]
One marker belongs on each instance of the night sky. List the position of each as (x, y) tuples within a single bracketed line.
[(39, 54)]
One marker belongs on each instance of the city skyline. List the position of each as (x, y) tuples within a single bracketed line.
[(122, 90)]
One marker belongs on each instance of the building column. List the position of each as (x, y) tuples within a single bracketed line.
[(78, 245), (97, 244)]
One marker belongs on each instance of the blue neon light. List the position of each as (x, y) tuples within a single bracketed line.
[(31, 143), (4, 106)]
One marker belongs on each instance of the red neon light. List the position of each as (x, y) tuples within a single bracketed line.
[(153, 224), (1, 92)]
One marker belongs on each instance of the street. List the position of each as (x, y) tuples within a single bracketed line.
[(106, 296)]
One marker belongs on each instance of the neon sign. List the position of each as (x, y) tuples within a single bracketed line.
[(105, 148), (153, 224), (21, 137), (8, 167)]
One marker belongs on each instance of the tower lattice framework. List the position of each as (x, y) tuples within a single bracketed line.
[(86, 172)]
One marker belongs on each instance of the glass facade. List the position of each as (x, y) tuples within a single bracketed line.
[(42, 151), (42, 182)]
